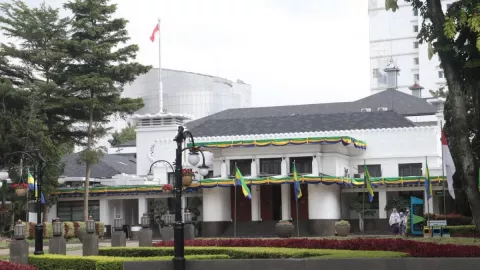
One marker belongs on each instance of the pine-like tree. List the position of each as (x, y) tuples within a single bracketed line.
[(101, 63)]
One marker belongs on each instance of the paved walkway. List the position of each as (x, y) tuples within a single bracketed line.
[(72, 249)]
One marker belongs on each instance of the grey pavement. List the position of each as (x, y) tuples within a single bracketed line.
[(72, 249)]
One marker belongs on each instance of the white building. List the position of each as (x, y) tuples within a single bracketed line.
[(393, 35), (329, 143)]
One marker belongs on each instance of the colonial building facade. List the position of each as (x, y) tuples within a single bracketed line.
[(329, 143)]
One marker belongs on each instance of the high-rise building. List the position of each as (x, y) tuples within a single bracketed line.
[(394, 43)]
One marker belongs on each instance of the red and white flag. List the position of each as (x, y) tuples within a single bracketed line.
[(448, 163), (155, 30)]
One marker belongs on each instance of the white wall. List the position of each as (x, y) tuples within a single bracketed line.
[(216, 204)]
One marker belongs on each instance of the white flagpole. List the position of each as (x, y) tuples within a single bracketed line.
[(235, 202), (160, 85)]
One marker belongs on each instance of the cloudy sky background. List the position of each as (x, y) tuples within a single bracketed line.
[(290, 51)]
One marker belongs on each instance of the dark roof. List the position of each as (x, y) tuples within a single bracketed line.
[(298, 123), (109, 166), (392, 100), (127, 144), (397, 101)]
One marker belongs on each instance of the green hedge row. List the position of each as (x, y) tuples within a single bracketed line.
[(465, 231), (48, 261), (245, 252)]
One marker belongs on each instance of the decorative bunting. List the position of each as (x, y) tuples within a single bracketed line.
[(217, 182), (345, 140)]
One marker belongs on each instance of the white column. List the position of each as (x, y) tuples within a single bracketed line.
[(256, 210), (428, 204), (104, 209), (253, 168), (142, 208), (286, 205), (223, 170), (382, 202), (315, 168), (216, 204), (255, 207), (324, 201)]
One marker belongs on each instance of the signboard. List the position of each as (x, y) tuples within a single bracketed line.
[(440, 193), (437, 223)]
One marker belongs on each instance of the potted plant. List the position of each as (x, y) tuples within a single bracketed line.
[(342, 227), (167, 188), (20, 189), (284, 229), (187, 177)]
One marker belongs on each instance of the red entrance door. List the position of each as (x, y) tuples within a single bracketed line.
[(244, 205), (302, 203)]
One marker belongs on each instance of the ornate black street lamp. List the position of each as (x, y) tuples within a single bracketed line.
[(194, 160)]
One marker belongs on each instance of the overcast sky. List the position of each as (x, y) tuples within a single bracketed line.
[(290, 51)]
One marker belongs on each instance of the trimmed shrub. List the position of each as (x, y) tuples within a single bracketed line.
[(244, 252), (48, 261), (31, 230), (452, 219), (414, 248), (463, 231), (68, 231), (4, 265), (47, 230), (100, 229)]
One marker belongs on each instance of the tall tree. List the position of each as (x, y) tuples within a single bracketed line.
[(454, 36), (101, 64), (31, 74)]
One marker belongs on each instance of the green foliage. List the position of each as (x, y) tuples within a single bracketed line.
[(441, 92), (342, 223), (362, 205), (400, 203), (49, 261), (125, 135), (245, 252), (68, 230), (391, 4)]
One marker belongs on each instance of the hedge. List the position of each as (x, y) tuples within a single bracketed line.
[(414, 248), (452, 219), (247, 252), (4, 265), (49, 261), (463, 231), (70, 229)]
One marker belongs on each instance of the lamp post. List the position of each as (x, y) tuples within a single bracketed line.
[(193, 159), (39, 225)]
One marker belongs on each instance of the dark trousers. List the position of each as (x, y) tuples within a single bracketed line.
[(395, 229)]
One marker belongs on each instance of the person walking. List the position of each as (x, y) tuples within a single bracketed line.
[(403, 224), (394, 221)]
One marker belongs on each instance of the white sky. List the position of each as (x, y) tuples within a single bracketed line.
[(290, 51)]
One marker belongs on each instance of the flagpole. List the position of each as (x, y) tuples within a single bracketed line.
[(296, 199), (363, 197), (235, 207), (443, 174), (427, 188), (160, 85)]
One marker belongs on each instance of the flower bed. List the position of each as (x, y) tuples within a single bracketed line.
[(4, 265), (48, 261), (413, 248), (249, 252)]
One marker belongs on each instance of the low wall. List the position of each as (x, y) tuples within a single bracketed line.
[(315, 264)]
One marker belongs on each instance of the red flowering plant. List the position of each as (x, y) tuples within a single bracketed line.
[(167, 188), (20, 186), (188, 172)]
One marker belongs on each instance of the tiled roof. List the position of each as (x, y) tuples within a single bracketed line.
[(298, 123), (109, 166)]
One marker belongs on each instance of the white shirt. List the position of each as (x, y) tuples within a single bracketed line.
[(394, 218)]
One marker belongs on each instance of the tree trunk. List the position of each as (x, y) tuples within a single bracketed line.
[(46, 209), (89, 166), (361, 223), (457, 108)]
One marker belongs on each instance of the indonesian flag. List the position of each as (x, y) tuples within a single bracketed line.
[(155, 30), (448, 163)]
